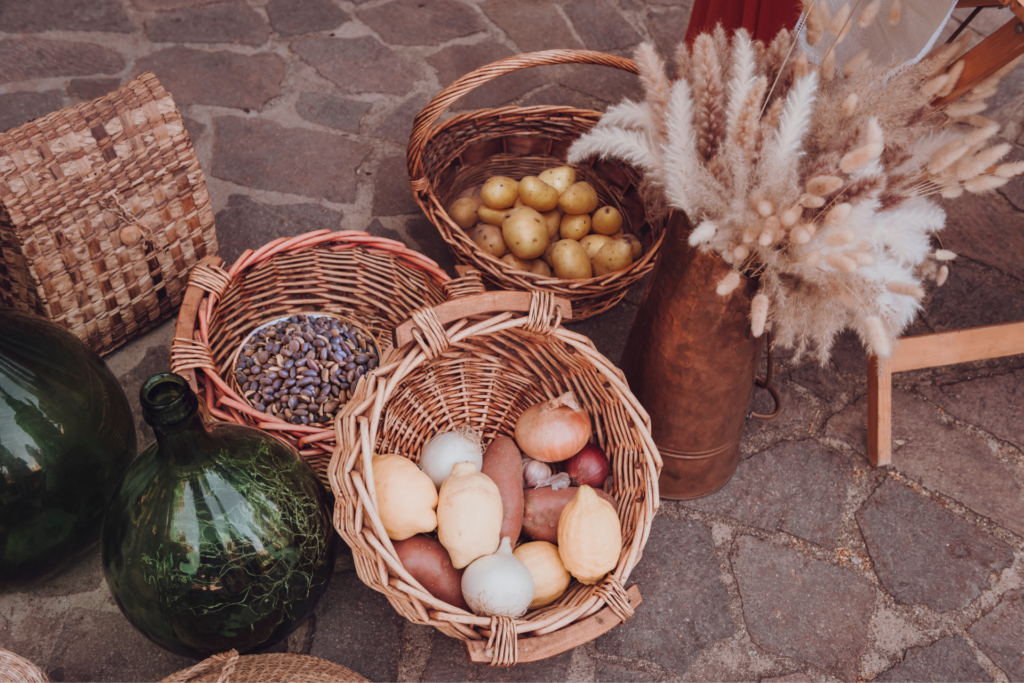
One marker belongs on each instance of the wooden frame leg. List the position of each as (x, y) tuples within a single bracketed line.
[(879, 411)]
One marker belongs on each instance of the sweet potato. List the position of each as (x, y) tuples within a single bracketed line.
[(428, 562), (543, 507), (503, 463)]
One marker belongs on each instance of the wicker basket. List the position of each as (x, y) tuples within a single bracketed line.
[(377, 282), (15, 669), (518, 141), (103, 211), (480, 360), (230, 668)]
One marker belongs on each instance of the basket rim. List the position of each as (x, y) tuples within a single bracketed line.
[(192, 333), (358, 427)]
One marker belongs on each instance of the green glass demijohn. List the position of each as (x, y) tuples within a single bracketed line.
[(66, 437), (218, 537)]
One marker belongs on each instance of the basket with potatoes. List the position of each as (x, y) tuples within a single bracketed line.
[(496, 185), (497, 479)]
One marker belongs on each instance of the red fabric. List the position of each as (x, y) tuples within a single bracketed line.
[(762, 18)]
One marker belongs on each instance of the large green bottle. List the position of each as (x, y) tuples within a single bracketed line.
[(66, 437), (218, 536)]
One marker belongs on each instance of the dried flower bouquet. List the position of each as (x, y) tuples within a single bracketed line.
[(817, 178)]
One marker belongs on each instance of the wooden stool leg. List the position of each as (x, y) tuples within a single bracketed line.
[(879, 411)]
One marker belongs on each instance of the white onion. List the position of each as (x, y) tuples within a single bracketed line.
[(448, 448), (498, 584)]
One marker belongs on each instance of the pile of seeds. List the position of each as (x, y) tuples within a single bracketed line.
[(303, 368)]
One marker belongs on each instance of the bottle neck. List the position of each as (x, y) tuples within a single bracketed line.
[(171, 408)]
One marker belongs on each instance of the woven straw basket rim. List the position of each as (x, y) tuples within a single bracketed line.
[(454, 136), (16, 669), (462, 336), (229, 667)]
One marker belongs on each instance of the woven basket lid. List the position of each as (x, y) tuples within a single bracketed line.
[(15, 669), (230, 668)]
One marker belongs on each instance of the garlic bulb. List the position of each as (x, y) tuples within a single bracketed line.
[(498, 584), (448, 448), (534, 472)]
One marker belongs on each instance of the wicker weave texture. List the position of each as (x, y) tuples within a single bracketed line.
[(483, 371), (467, 148), (284, 667), (15, 669), (71, 183), (374, 281)]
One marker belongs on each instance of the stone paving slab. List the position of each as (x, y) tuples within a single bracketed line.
[(300, 111)]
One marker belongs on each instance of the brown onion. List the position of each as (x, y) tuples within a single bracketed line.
[(590, 466), (554, 430)]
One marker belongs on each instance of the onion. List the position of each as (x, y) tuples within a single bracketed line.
[(554, 430), (498, 584), (448, 448), (534, 472), (589, 466)]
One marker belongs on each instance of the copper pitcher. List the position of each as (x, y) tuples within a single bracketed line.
[(694, 365)]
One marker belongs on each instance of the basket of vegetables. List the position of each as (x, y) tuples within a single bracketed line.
[(281, 339), (496, 479), (495, 184)]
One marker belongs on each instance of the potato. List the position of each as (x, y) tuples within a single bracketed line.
[(537, 194), (615, 255), (499, 192), (518, 203), (546, 256), (489, 239), (607, 220), (525, 233), (491, 216), (539, 267), (592, 243), (543, 507), (503, 463), (559, 178), (617, 235), (581, 197), (574, 226), (569, 260), (470, 192), (463, 212), (554, 220), (429, 563), (516, 262), (634, 242)]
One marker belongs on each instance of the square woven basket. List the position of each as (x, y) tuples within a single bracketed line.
[(103, 212)]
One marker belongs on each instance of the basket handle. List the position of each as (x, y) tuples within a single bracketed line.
[(185, 325), (478, 304), (425, 120), (565, 639)]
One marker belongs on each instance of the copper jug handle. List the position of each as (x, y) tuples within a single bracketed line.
[(766, 383)]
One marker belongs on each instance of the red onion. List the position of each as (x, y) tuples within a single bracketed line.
[(590, 466)]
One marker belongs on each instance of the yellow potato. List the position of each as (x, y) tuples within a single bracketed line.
[(470, 192), (518, 203), (540, 268), (537, 194), (581, 197), (525, 233), (569, 260), (499, 192), (559, 178), (489, 239), (615, 255), (463, 212), (554, 220), (516, 262), (593, 243), (492, 216), (634, 242), (546, 256), (607, 220), (574, 226), (617, 235)]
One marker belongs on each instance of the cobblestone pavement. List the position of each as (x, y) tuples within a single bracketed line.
[(808, 566)]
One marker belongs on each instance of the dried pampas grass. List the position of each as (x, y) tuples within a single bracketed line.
[(816, 180)]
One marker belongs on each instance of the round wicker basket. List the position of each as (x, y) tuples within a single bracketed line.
[(480, 359), (16, 669), (375, 281), (519, 141), (230, 668)]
